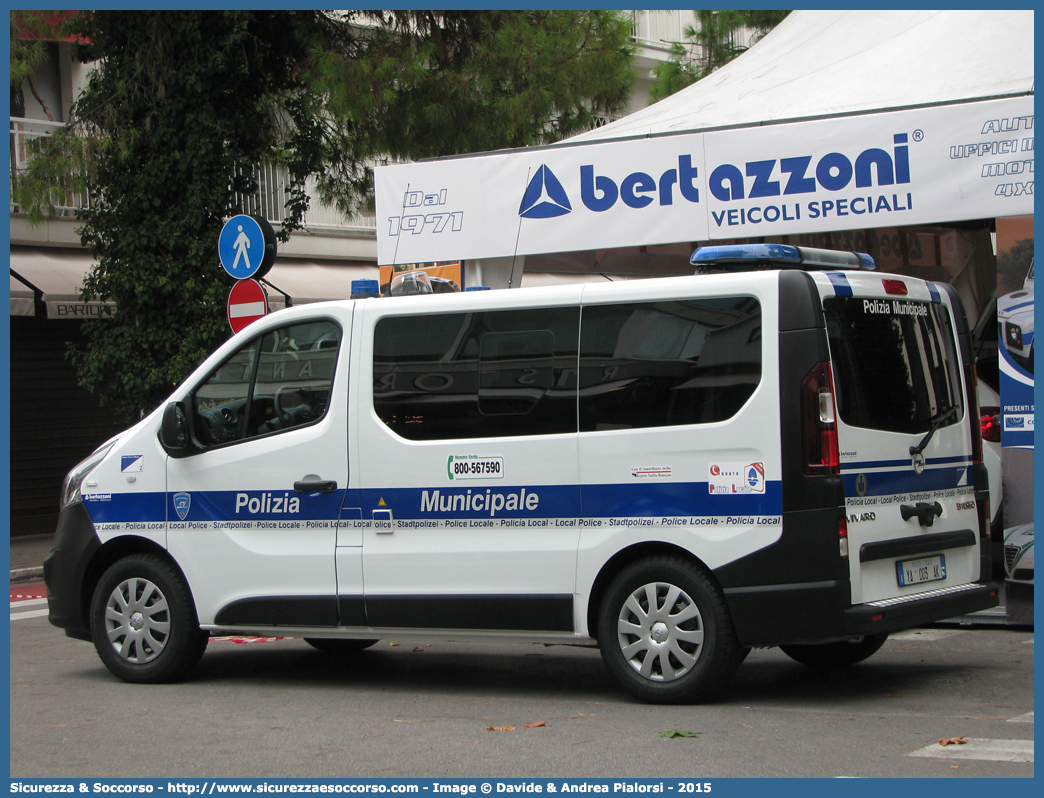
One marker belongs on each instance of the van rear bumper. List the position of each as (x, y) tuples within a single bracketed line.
[(817, 612), (891, 615)]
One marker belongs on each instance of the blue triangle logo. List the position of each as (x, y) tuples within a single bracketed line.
[(544, 198)]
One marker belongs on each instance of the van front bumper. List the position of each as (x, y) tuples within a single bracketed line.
[(916, 609), (75, 542)]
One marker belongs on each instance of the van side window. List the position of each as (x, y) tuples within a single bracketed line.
[(275, 382), (477, 375), (658, 364)]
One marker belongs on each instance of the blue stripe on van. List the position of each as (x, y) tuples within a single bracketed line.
[(883, 483), (443, 502), (214, 505), (564, 501), (840, 282), (929, 463), (933, 290), (674, 499), (107, 508)]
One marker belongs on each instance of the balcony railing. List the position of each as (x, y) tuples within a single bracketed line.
[(267, 200), (23, 132), (660, 28)]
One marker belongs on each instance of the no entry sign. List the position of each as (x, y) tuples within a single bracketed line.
[(247, 302)]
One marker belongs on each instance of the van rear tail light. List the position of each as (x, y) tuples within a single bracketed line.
[(842, 534), (819, 422), (895, 287), (971, 380), (989, 423)]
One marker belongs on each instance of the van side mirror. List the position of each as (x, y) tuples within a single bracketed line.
[(174, 430)]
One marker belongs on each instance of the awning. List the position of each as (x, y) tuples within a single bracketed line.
[(307, 281), (47, 283), (23, 298)]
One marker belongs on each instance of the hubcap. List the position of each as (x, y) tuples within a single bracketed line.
[(660, 631), (137, 620)]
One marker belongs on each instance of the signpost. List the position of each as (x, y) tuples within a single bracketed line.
[(247, 249), (247, 246), (247, 302)]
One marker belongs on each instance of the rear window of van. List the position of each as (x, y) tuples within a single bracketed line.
[(895, 362)]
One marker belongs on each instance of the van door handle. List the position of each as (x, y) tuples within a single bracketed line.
[(313, 483)]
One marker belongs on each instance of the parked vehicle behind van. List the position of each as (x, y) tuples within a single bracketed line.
[(675, 470), (1016, 318)]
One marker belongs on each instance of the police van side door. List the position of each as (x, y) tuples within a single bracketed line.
[(468, 475), (679, 430), (905, 426), (253, 510)]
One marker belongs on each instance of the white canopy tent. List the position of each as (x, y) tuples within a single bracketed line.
[(819, 64), (836, 120)]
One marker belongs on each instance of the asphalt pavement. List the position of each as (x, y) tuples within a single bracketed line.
[(28, 553), (410, 707)]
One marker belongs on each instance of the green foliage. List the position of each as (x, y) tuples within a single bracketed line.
[(29, 30), (711, 45), (184, 104), (435, 83), (170, 125)]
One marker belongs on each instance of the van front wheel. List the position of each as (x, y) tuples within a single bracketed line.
[(143, 621), (665, 633)]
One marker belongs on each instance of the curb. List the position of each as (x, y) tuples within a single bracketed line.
[(25, 574)]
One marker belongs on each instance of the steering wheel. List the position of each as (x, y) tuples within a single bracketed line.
[(281, 413)]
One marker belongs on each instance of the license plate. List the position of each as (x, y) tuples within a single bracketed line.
[(916, 572)]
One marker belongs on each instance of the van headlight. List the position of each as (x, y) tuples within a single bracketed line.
[(74, 479)]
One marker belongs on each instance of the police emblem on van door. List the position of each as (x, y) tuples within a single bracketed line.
[(861, 484), (182, 503)]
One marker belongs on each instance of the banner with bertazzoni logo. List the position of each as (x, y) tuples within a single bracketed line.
[(921, 166), (541, 200)]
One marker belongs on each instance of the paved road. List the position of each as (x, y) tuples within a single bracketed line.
[(277, 708)]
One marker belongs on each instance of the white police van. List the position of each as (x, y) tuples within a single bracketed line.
[(674, 469)]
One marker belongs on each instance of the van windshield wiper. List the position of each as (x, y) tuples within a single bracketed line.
[(934, 423)]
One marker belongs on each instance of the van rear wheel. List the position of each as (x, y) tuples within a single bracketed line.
[(143, 621), (665, 633), (836, 655)]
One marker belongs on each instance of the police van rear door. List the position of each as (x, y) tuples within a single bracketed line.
[(905, 431)]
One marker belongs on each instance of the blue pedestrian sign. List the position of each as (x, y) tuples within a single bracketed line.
[(247, 246)]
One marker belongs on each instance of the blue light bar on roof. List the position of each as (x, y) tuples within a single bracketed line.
[(780, 256)]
